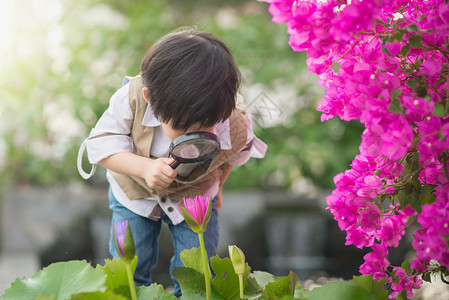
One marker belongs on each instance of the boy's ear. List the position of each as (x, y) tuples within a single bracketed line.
[(145, 94)]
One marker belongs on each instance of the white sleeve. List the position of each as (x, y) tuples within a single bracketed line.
[(111, 134)]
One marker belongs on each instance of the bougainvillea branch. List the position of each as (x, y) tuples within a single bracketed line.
[(385, 63)]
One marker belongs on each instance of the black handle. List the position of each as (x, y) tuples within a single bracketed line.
[(175, 164)]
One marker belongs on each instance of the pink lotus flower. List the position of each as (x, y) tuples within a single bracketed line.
[(126, 248), (196, 212)]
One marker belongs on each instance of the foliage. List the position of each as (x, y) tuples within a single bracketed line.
[(65, 63), (232, 279), (59, 280), (386, 64), (78, 280)]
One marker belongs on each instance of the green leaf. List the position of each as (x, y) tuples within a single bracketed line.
[(252, 289), (405, 49), (395, 93), (263, 278), (426, 194), (154, 291), (61, 280), (122, 290), (193, 285), (300, 293), (415, 40), (115, 270), (421, 90), (397, 22), (340, 290), (191, 258), (439, 110), (283, 287), (406, 266), (335, 66), (415, 201), (412, 27), (415, 181), (405, 195), (412, 83), (395, 106), (385, 50), (412, 163), (426, 276), (258, 280), (226, 281), (108, 295), (372, 286)]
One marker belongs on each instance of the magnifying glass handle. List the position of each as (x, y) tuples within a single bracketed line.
[(175, 164)]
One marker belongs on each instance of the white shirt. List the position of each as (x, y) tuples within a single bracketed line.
[(117, 121)]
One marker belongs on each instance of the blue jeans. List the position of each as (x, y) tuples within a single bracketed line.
[(146, 235)]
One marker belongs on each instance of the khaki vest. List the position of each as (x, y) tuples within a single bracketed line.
[(201, 179)]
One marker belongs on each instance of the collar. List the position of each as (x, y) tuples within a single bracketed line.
[(149, 119)]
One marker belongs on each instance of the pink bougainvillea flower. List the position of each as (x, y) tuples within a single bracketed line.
[(430, 144), (420, 264), (370, 79), (392, 227), (123, 240), (343, 212), (376, 262), (369, 218), (404, 282), (443, 12), (431, 67), (358, 237), (196, 212), (368, 187)]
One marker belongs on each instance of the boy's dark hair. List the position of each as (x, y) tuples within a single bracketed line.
[(192, 78)]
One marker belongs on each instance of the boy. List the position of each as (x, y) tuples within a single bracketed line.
[(188, 82)]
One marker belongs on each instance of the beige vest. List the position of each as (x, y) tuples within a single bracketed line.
[(201, 179)]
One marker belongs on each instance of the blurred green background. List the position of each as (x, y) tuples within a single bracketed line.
[(61, 60)]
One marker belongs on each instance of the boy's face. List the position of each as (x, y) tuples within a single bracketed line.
[(172, 134)]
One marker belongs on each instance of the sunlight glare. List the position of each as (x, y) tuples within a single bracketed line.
[(7, 12)]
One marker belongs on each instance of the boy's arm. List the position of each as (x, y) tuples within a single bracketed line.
[(157, 172), (224, 175), (110, 145)]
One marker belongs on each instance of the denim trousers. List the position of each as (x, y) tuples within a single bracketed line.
[(146, 235)]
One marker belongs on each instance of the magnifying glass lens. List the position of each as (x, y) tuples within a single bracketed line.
[(194, 147), (187, 151)]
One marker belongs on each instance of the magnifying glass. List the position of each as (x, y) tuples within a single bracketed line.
[(194, 147)]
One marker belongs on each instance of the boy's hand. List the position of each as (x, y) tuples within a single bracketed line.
[(219, 203), (158, 173)]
